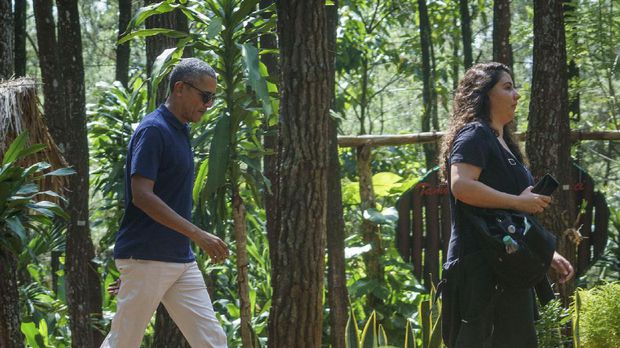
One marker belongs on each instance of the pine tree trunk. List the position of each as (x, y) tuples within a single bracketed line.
[(123, 51), (7, 40), (241, 239), (428, 83), (83, 281), (20, 38), (302, 196), (336, 277), (10, 333), (466, 33), (51, 74), (502, 49), (270, 140), (548, 142)]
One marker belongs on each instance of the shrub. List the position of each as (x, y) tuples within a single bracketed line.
[(596, 316)]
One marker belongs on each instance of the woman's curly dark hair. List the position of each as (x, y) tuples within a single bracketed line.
[(471, 103)]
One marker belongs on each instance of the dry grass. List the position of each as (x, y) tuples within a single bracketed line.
[(20, 111)]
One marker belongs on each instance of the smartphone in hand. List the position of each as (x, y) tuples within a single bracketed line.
[(546, 185)]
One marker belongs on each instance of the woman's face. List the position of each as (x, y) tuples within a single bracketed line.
[(503, 99)]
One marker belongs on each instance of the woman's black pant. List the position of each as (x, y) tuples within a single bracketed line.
[(478, 313)]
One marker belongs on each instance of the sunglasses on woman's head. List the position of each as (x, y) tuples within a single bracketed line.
[(206, 95)]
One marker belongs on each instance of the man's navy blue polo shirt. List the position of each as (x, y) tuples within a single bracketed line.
[(159, 150)]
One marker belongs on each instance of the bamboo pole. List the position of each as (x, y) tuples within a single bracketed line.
[(429, 137)]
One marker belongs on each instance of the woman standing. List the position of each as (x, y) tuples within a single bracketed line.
[(484, 168)]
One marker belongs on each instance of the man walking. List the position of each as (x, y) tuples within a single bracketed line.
[(152, 250)]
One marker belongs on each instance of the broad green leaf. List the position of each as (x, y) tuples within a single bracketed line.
[(256, 81), (219, 155), (162, 64), (145, 12), (200, 180), (352, 339), (384, 182), (214, 28), (61, 172), (32, 334), (246, 7), (152, 32), (46, 206), (30, 150), (28, 189), (369, 334), (15, 225), (15, 148)]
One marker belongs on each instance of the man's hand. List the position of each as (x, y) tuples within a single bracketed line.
[(562, 267), (114, 287), (213, 246)]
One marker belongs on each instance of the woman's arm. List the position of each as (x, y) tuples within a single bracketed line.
[(466, 188)]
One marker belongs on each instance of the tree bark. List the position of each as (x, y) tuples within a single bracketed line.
[(302, 196), (7, 40), (502, 49), (20, 38), (428, 83), (548, 142), (123, 51), (270, 140), (241, 241), (10, 333), (83, 281), (51, 73), (336, 277), (466, 33)]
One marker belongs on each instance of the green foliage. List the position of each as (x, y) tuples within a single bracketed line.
[(596, 315), (111, 123), (21, 209), (553, 318)]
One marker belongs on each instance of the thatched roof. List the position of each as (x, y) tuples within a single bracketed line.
[(19, 111)]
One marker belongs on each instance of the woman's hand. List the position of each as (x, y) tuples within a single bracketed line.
[(114, 287), (531, 202), (562, 267)]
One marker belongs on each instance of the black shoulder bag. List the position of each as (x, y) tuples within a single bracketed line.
[(518, 248)]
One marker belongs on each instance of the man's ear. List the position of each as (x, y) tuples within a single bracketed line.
[(178, 87)]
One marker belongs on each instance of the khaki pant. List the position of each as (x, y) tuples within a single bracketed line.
[(181, 289)]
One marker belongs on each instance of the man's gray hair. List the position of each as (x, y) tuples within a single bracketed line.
[(190, 69)]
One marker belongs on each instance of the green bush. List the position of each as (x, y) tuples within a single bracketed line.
[(596, 316)]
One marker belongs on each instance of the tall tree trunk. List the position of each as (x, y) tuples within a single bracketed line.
[(428, 83), (7, 53), (270, 140), (548, 144), (123, 51), (241, 241), (502, 49), (51, 73), (466, 33), (370, 231), (302, 195), (20, 38), (83, 281), (10, 333), (336, 277)]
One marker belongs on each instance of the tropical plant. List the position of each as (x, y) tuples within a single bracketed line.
[(553, 318), (596, 316), (21, 213)]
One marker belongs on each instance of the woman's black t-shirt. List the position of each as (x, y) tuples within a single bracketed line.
[(476, 144)]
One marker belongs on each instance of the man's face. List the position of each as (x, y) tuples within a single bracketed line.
[(193, 103)]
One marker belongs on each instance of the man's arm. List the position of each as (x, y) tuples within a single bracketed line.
[(146, 200)]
